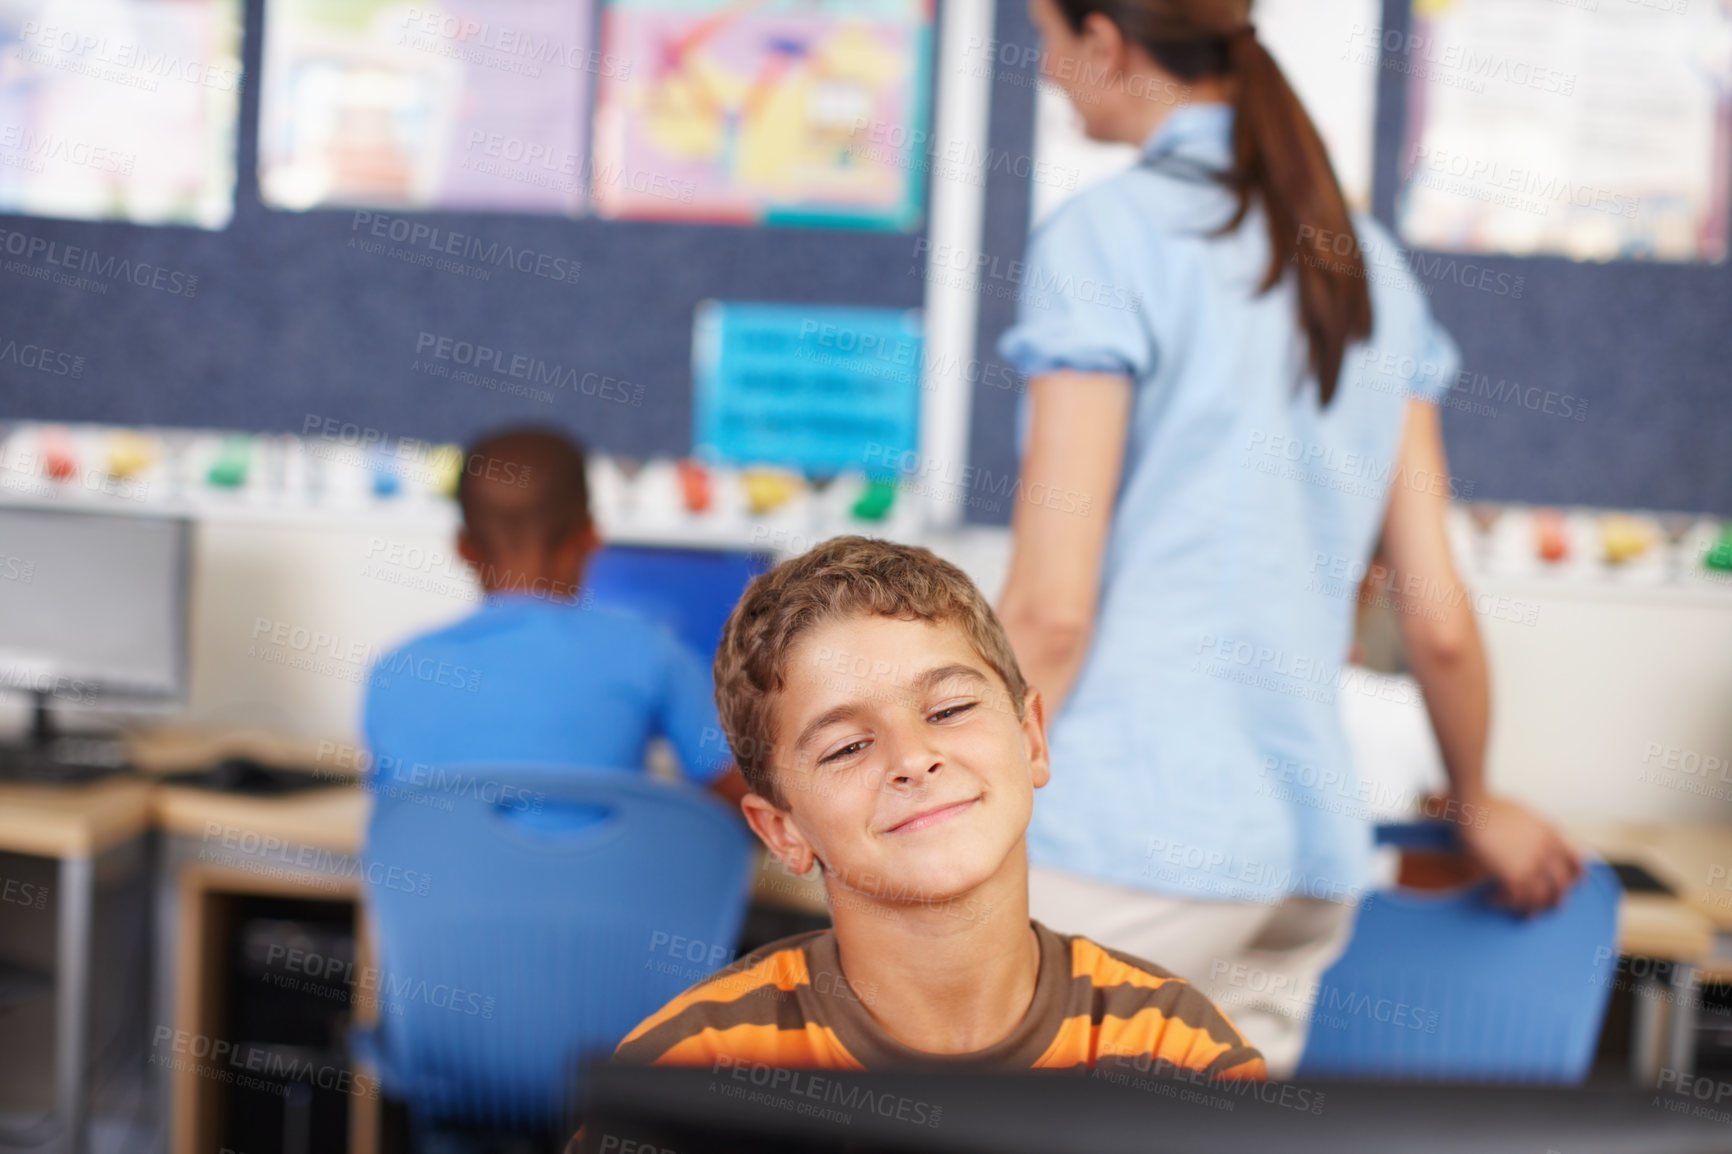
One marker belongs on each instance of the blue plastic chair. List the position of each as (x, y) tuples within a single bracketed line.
[(1448, 987), (526, 919)]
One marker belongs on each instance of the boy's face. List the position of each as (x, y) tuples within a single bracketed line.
[(905, 770)]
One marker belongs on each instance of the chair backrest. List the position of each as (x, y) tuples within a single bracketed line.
[(528, 918), (1446, 986)]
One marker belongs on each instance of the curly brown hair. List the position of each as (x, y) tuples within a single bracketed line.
[(843, 577)]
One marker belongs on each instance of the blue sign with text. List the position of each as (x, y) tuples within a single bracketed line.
[(814, 388)]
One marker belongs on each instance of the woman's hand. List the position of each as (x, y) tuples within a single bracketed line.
[(1530, 861)]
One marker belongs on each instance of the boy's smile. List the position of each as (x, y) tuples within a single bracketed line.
[(904, 767), (928, 818)]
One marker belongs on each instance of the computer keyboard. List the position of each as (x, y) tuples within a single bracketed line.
[(243, 775), (64, 761)]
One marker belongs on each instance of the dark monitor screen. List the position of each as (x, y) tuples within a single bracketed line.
[(691, 591), (745, 1106), (93, 604)]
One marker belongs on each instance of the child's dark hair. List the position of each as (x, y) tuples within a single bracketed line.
[(523, 488)]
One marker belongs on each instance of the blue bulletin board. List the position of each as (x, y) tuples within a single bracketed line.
[(285, 321), (816, 389)]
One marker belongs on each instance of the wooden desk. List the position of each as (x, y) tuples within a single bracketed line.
[(78, 821), (74, 825), (1695, 859), (221, 846), (1672, 941), (334, 819), (215, 846)]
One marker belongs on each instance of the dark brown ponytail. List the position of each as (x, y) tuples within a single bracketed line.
[(1278, 159)]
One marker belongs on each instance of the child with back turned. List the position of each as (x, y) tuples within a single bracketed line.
[(876, 709), (544, 678)]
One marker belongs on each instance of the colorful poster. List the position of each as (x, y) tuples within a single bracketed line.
[(1592, 131), (120, 109), (765, 111), (814, 388), (447, 104)]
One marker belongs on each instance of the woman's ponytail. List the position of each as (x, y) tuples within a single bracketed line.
[(1278, 160)]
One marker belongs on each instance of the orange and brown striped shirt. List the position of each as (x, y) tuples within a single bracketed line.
[(788, 1005)]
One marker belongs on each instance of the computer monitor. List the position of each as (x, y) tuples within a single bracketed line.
[(734, 1105), (689, 590), (93, 609)]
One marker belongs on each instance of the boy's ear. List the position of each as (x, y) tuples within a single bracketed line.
[(776, 829), (466, 549), (572, 554), (1034, 737), (581, 542)]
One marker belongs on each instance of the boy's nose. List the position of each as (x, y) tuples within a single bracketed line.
[(914, 762), (912, 775)]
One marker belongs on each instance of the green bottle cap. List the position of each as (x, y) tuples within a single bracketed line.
[(229, 470), (1720, 556), (874, 504)]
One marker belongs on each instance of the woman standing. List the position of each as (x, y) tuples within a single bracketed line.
[(1232, 386)]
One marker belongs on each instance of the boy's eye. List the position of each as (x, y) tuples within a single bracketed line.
[(851, 747), (951, 710)]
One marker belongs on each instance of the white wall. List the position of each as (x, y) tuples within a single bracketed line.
[(1594, 700), (1604, 676), (286, 617), (1611, 689)]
